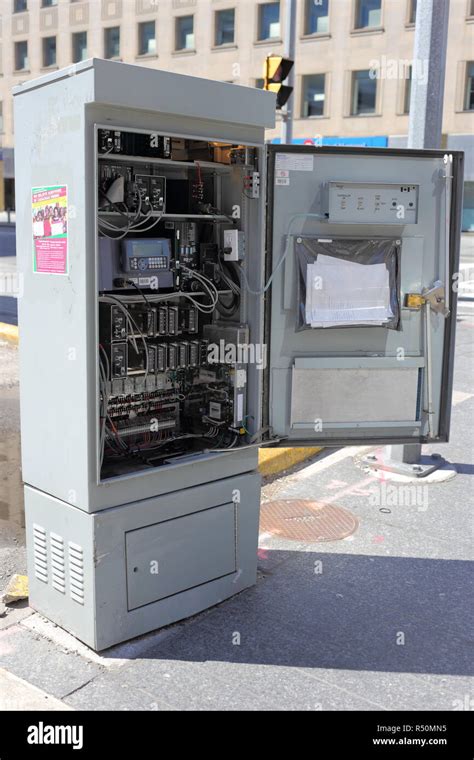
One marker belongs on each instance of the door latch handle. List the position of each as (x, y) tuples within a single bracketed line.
[(436, 296)]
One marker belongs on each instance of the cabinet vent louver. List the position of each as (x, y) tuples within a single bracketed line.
[(76, 572), (58, 573), (40, 553)]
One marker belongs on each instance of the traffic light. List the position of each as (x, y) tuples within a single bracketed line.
[(275, 71)]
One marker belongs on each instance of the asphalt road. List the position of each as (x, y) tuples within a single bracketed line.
[(9, 288), (8, 310)]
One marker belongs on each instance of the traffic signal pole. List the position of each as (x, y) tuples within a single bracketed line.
[(290, 43), (424, 131), (428, 74)]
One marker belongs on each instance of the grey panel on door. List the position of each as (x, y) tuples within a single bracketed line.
[(353, 395), (175, 555)]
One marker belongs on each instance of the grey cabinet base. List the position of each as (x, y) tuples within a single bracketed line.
[(122, 572)]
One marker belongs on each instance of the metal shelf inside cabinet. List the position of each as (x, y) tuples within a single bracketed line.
[(206, 165), (163, 297), (156, 215)]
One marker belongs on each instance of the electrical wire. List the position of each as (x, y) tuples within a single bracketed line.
[(247, 446), (103, 222), (156, 221), (282, 258), (234, 285), (222, 307), (208, 286), (130, 282), (107, 297), (104, 375), (133, 224)]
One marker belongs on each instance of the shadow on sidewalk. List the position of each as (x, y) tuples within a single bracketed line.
[(354, 612)]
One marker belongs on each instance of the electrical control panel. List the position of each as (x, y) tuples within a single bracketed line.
[(150, 190), (135, 262), (116, 141), (169, 288), (371, 203), (126, 188)]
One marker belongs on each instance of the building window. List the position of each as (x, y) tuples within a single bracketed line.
[(225, 27), (185, 33), (48, 3), (364, 93), (112, 42), (19, 6), (471, 8), (407, 93), (314, 92), (79, 46), (412, 12), (147, 38), (367, 13), (1, 116), (259, 83), (21, 55), (316, 17), (469, 94), (49, 51), (268, 21)]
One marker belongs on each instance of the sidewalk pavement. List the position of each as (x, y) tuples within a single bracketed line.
[(16, 694), (379, 620)]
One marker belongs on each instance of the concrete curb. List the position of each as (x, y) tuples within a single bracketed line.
[(18, 694), (9, 332), (274, 461)]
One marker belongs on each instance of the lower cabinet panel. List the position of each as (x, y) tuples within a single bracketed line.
[(179, 554)]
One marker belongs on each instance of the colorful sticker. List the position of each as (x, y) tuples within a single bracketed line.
[(49, 215), (282, 177)]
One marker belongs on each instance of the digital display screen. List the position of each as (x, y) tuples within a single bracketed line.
[(146, 255)]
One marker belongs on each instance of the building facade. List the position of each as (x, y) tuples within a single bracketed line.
[(353, 63)]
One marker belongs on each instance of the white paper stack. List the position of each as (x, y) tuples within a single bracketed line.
[(340, 292)]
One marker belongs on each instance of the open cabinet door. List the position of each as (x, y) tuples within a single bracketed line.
[(362, 247)]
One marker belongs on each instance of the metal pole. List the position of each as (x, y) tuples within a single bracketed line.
[(425, 129), (426, 120), (290, 46), (428, 74)]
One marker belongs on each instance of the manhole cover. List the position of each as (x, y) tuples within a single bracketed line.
[(306, 520)]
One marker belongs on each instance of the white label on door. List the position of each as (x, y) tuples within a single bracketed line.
[(298, 162), (282, 180), (240, 407), (241, 378)]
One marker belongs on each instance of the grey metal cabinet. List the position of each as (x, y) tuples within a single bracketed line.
[(190, 293)]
